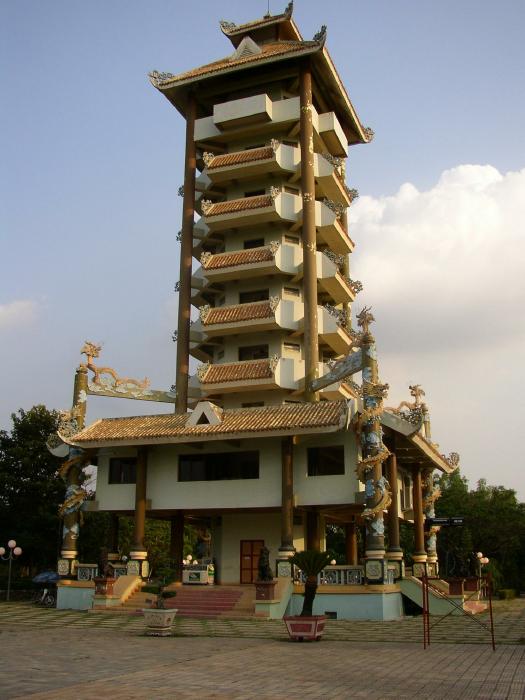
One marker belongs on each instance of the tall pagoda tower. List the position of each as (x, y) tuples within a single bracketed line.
[(269, 128)]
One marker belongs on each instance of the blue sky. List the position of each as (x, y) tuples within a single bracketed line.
[(92, 159)]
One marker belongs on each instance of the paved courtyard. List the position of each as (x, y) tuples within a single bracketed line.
[(61, 654)]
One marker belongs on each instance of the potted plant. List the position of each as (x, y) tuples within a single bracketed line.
[(158, 617), (307, 625)]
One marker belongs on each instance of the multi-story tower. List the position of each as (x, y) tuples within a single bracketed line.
[(269, 126), (277, 444)]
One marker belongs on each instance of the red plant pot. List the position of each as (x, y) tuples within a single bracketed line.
[(305, 628)]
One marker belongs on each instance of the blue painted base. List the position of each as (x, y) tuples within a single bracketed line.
[(73, 598), (364, 606)]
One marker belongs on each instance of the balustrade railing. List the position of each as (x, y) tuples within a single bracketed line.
[(338, 575)]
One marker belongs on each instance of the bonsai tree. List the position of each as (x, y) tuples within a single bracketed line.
[(311, 563), (159, 590)]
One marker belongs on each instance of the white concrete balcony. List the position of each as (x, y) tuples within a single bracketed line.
[(259, 114), (331, 280), (329, 179), (248, 375), (272, 259), (252, 317), (332, 331), (330, 229)]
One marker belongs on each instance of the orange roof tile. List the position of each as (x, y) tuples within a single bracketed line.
[(239, 312), (234, 205), (283, 418), (272, 49), (240, 157), (238, 257), (238, 371)]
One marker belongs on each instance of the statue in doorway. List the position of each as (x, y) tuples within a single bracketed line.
[(265, 570), (203, 545)]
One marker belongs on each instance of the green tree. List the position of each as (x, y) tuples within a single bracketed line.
[(30, 491)]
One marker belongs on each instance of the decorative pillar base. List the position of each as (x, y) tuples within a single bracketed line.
[(376, 571), (419, 567), (283, 568), (68, 563), (138, 564), (396, 563)]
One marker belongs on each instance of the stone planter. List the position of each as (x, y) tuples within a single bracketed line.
[(159, 622), (265, 590), (104, 585), (305, 628), (455, 586)]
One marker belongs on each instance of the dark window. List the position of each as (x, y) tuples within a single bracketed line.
[(292, 346), (255, 193), (222, 466), (122, 470), (291, 239), (292, 291), (255, 295), (253, 352), (326, 461), (291, 190), (289, 143), (254, 243), (252, 404)]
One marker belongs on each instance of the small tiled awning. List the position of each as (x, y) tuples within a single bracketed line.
[(239, 312), (239, 257), (234, 205), (240, 157), (237, 371)]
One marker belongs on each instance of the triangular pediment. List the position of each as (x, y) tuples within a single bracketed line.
[(247, 47), (205, 413)]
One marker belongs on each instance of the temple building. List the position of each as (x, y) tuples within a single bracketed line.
[(272, 438)]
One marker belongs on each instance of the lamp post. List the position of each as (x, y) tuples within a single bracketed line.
[(14, 551)]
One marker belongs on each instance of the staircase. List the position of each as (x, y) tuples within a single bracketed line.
[(439, 599), (202, 601)]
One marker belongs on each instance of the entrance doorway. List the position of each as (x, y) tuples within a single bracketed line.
[(250, 550)]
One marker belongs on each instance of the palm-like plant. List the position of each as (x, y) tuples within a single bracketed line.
[(311, 563)]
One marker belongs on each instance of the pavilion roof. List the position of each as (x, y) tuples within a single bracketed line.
[(281, 419)]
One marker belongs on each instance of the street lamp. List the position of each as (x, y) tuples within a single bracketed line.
[(482, 561), (14, 551)]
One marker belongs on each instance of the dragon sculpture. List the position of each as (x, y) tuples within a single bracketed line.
[(92, 351)]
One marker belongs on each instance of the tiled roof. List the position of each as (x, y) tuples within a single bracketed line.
[(234, 205), (273, 49), (284, 418), (239, 312), (238, 371), (231, 29), (241, 157), (238, 257)]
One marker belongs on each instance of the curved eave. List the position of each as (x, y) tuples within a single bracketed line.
[(176, 89), (352, 126)]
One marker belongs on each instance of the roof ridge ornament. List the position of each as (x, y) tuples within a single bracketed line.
[(320, 36)]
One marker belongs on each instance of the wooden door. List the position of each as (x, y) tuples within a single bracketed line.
[(250, 550)]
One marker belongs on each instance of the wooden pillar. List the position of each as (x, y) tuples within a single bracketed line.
[(394, 548), (417, 502), (186, 254), (311, 348), (287, 547), (177, 544), (313, 535), (351, 543), (139, 550)]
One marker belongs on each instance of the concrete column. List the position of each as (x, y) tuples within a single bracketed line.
[(186, 253), (177, 543), (287, 548), (139, 550), (420, 555), (311, 347), (313, 534), (71, 517), (351, 543)]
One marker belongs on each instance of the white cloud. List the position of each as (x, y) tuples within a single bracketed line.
[(445, 273), (17, 313), (452, 257)]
